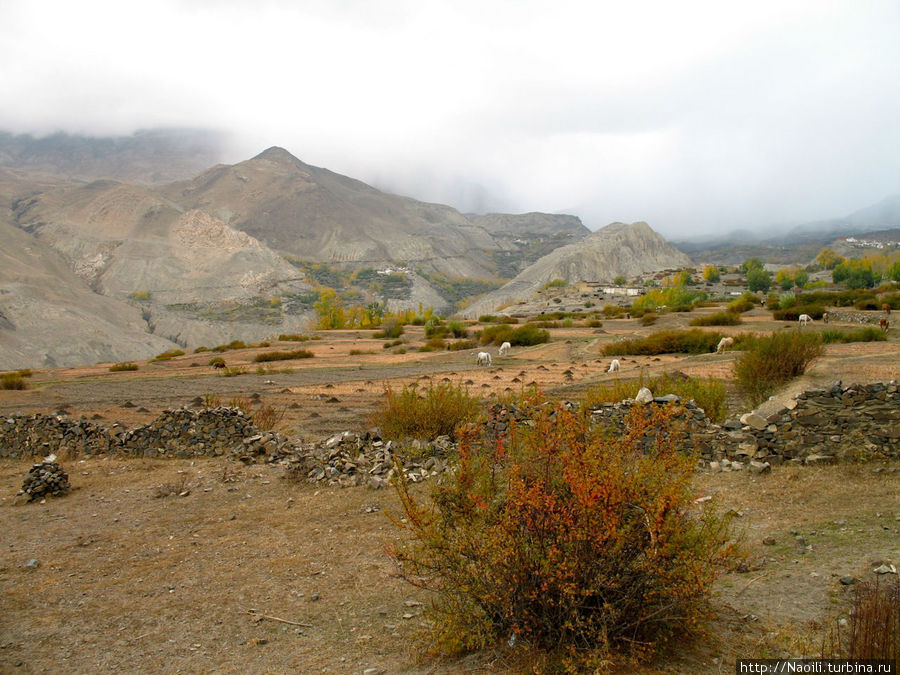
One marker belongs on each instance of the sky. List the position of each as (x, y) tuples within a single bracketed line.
[(695, 116)]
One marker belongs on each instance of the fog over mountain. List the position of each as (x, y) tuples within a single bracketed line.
[(697, 116)]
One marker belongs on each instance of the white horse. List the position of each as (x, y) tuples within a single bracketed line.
[(615, 366), (724, 344), (804, 319), (504, 349), (483, 359)]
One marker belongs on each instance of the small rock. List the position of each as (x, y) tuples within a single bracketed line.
[(848, 580), (769, 541), (885, 569), (32, 564), (314, 597), (644, 396)]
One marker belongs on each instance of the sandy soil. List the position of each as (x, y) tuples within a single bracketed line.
[(154, 565)]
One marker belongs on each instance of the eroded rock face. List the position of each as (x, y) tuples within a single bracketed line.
[(615, 250)]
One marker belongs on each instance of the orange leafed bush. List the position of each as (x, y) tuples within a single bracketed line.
[(576, 543)]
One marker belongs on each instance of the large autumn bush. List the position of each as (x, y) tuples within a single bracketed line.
[(425, 414), (563, 539), (769, 363)]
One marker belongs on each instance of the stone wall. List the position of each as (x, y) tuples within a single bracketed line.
[(820, 425), (181, 432), (816, 426)]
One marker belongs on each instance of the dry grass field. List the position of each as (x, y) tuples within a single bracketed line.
[(208, 565)]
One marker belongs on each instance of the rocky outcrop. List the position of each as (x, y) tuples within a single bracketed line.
[(616, 250)]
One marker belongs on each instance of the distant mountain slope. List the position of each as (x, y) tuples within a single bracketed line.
[(615, 250), (316, 214), (145, 157), (49, 317), (532, 224)]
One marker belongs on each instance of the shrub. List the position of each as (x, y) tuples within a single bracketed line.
[(434, 344), (201, 349), (12, 381), (614, 311), (435, 328), (390, 329), (293, 337), (527, 335), (165, 356), (673, 296), (694, 341), (867, 334), (594, 323), (490, 318), (709, 394), (458, 329), (786, 301), (872, 629), (358, 352), (399, 350), (793, 313), (283, 356), (497, 334), (741, 305), (436, 412), (718, 319), (649, 319), (232, 371), (460, 345), (267, 417), (119, 367), (216, 359), (555, 283), (770, 362), (234, 344), (574, 542)]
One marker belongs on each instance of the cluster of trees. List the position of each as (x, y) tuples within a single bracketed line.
[(334, 313)]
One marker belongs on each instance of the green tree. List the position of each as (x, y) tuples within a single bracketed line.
[(759, 280), (751, 264), (828, 259), (855, 273), (894, 272), (801, 277), (711, 274), (785, 279), (620, 281), (330, 309)]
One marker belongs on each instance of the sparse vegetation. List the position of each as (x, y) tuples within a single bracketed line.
[(708, 393), (867, 334), (216, 359), (526, 335), (283, 356), (434, 344), (390, 329), (232, 371), (13, 380), (694, 341), (743, 304), (293, 337), (872, 627), (649, 319), (490, 318), (120, 367), (768, 363), (581, 546), (793, 312), (165, 356), (717, 319), (435, 412), (555, 283)]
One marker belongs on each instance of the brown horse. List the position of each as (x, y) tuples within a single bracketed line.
[(219, 365), (884, 324), (886, 308)]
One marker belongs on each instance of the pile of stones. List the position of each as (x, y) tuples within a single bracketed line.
[(350, 459), (46, 479), (185, 432)]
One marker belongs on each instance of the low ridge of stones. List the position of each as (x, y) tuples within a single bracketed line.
[(817, 426)]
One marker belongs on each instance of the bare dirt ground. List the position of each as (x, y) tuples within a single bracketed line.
[(155, 565)]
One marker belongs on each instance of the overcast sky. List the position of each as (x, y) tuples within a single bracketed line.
[(693, 116)]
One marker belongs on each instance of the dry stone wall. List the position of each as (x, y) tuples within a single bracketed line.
[(817, 426)]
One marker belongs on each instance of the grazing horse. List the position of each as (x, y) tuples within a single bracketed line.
[(825, 317), (724, 344), (504, 349), (804, 319), (219, 365), (886, 308), (615, 366), (483, 359)]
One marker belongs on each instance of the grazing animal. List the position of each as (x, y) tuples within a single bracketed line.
[(886, 308), (219, 365), (884, 324), (825, 317), (483, 359), (504, 349), (724, 343), (804, 319), (615, 366)]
